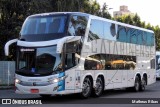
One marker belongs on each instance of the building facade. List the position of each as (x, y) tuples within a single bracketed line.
[(123, 11)]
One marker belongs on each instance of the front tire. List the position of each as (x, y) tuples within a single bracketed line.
[(98, 90), (86, 88)]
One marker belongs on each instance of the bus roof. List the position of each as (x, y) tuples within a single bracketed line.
[(93, 17)]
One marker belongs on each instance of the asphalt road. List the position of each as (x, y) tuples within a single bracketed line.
[(110, 98)]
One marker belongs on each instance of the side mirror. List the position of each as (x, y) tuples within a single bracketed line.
[(6, 47)]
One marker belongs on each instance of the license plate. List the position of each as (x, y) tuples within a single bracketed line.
[(34, 90)]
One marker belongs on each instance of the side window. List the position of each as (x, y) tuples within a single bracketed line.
[(70, 60), (73, 50), (109, 31), (144, 38), (140, 34), (93, 62), (77, 25), (132, 36), (150, 39), (96, 30), (110, 62), (121, 34)]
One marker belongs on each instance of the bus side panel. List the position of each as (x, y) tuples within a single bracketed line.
[(78, 88), (124, 78), (70, 81), (117, 79), (131, 77), (109, 83)]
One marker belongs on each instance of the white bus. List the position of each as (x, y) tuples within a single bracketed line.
[(158, 64), (73, 52)]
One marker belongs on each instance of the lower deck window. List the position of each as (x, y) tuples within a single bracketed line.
[(110, 62)]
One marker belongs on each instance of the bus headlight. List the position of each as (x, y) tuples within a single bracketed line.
[(55, 80), (17, 81)]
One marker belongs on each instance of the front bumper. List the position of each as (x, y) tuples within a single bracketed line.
[(49, 89)]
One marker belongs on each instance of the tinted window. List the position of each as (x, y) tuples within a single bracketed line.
[(109, 31), (135, 36), (77, 25), (132, 36), (122, 34), (44, 25), (110, 62), (141, 37), (73, 50), (38, 61), (44, 28), (96, 30), (150, 39)]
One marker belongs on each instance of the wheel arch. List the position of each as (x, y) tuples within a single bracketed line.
[(137, 74), (103, 79), (90, 76)]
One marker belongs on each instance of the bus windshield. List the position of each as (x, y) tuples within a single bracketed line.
[(39, 61), (41, 28)]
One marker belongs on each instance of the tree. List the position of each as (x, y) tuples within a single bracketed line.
[(157, 37), (137, 20), (104, 12), (12, 16)]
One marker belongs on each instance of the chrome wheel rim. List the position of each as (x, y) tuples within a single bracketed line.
[(86, 87)]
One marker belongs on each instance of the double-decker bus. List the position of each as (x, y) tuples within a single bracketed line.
[(73, 52)]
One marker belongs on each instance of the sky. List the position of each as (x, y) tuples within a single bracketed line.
[(148, 10)]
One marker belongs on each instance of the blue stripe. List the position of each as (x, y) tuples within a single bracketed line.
[(61, 84)]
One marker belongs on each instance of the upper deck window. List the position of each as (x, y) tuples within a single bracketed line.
[(43, 28), (44, 25), (96, 30), (135, 36), (77, 25)]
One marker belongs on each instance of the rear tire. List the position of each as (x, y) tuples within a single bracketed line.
[(98, 90), (137, 84), (143, 84), (86, 88)]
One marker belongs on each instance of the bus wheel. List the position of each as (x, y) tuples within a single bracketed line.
[(137, 84), (86, 88), (45, 95), (143, 84), (99, 87)]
